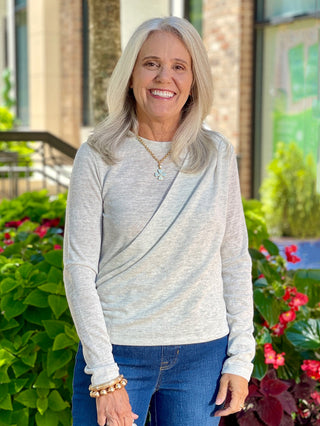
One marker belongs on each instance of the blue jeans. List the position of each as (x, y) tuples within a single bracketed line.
[(180, 383)]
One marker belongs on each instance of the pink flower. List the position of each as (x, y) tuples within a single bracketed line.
[(312, 368), (279, 361), (300, 299), (41, 230), (292, 258), (316, 397), (1, 250), (287, 316), (8, 242), (271, 357), (279, 328), (57, 247)]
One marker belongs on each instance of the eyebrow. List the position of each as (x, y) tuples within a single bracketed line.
[(157, 58)]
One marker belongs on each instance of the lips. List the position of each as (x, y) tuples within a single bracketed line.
[(165, 94)]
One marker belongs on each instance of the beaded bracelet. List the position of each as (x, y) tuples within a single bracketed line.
[(113, 385)]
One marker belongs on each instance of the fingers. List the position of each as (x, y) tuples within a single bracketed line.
[(114, 409), (238, 387)]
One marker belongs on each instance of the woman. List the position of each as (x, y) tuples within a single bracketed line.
[(157, 270)]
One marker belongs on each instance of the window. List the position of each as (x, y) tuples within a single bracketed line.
[(193, 12), (22, 91)]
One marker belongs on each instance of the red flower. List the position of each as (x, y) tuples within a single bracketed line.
[(271, 357), (316, 397), (279, 361), (287, 316), (1, 250), (7, 236), (290, 291), (51, 223), (41, 230), (312, 368), (16, 223), (299, 300), (292, 258), (279, 328), (57, 247), (264, 251)]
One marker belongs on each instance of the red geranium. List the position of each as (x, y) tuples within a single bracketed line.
[(287, 316), (312, 368), (292, 258), (16, 223)]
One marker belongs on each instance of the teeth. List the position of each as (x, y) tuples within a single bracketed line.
[(162, 93)]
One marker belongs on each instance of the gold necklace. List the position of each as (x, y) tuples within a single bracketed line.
[(159, 173)]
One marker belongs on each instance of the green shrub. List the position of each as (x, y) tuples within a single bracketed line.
[(37, 338), (290, 201)]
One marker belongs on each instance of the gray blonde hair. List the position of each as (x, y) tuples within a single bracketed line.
[(191, 134)]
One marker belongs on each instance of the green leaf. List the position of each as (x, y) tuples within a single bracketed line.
[(55, 275), (305, 334), (43, 381), (49, 288), (3, 390), (308, 282), (271, 248), (8, 284), (6, 418), (29, 358), (54, 257), (255, 254), (49, 418), (42, 340), (56, 403), (43, 392), (8, 325), (21, 417), (16, 385), (37, 298), (53, 327), (58, 304), (4, 377), (42, 405), (6, 403), (260, 367), (20, 368), (36, 315), (26, 337), (25, 270), (62, 341), (6, 358), (11, 308), (267, 305), (28, 398), (57, 359)]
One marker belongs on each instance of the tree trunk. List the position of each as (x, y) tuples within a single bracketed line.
[(105, 49)]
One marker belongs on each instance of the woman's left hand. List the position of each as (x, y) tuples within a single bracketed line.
[(238, 386)]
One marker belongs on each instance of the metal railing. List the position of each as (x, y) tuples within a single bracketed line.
[(47, 166)]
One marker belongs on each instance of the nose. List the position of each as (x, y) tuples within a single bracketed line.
[(163, 74)]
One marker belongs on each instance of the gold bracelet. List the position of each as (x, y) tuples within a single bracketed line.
[(106, 385), (96, 393)]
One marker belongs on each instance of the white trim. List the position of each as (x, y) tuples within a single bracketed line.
[(177, 8)]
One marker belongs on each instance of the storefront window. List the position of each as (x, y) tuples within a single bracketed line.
[(269, 9), (288, 90)]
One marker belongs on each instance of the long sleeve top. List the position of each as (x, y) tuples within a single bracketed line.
[(151, 262)]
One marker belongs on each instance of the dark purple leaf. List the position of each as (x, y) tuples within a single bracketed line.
[(270, 411), (249, 418), (288, 403), (287, 420), (273, 387)]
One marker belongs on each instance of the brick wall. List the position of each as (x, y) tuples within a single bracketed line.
[(71, 70), (228, 36)]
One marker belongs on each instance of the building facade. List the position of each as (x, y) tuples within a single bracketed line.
[(264, 56)]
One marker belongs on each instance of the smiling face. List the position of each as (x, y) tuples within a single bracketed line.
[(162, 79)]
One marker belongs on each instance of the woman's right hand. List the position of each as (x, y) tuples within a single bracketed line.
[(114, 409)]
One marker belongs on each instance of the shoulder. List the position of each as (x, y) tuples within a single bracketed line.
[(220, 142)]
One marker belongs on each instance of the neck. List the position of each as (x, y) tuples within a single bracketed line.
[(160, 132)]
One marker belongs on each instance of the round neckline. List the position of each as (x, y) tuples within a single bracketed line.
[(150, 140)]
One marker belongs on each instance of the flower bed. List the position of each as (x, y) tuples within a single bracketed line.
[(38, 340)]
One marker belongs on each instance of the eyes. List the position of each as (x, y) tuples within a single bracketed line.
[(153, 65)]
